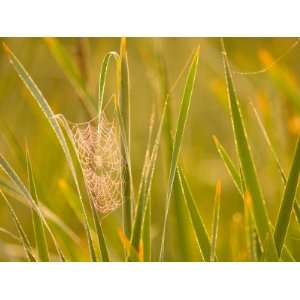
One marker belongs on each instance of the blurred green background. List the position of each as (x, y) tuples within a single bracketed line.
[(153, 61)]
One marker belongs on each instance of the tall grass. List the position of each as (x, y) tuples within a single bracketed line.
[(135, 235)]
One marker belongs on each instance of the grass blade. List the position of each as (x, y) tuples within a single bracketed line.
[(43, 104), (22, 234), (39, 233), (184, 111), (247, 164), (146, 241), (273, 152), (231, 168), (124, 104), (142, 206), (215, 224), (198, 225), (181, 222), (100, 235), (287, 202), (103, 75)]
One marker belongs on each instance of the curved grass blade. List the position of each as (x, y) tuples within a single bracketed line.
[(22, 234), (247, 164), (43, 104), (124, 105), (39, 233), (103, 75), (198, 225), (143, 202), (275, 157), (72, 73), (287, 202), (215, 224), (183, 115)]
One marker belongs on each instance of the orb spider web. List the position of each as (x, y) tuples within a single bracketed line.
[(99, 151)]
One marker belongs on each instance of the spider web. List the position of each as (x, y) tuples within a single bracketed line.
[(99, 152)]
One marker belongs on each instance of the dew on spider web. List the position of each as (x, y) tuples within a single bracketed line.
[(98, 148)]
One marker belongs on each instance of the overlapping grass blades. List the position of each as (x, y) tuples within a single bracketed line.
[(6, 167), (39, 233), (181, 223), (183, 114), (43, 104), (146, 182), (198, 225), (245, 157), (287, 202)]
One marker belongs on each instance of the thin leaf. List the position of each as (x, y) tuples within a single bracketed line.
[(183, 115), (39, 233), (181, 223), (124, 104), (247, 165), (215, 223), (100, 235), (198, 225), (22, 234), (43, 104), (102, 77), (232, 170), (287, 202)]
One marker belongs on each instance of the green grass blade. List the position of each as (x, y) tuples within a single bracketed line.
[(244, 153), (100, 235), (139, 221), (147, 222), (39, 233), (275, 157), (147, 234), (124, 104), (22, 234), (215, 223), (198, 225), (183, 115), (71, 71), (43, 104), (231, 168), (180, 222), (287, 202)]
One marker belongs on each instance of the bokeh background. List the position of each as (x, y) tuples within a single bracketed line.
[(154, 64)]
